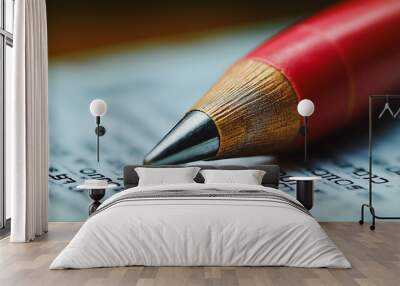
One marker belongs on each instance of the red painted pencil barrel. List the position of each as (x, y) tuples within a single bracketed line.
[(339, 57)]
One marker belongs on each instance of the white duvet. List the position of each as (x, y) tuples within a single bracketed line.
[(200, 231)]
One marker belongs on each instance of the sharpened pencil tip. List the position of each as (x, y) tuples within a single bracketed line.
[(193, 138)]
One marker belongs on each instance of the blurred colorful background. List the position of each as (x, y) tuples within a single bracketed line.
[(150, 61)]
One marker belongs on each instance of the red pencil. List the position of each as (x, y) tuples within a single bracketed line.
[(336, 58)]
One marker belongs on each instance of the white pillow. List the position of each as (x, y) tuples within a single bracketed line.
[(163, 176), (248, 177)]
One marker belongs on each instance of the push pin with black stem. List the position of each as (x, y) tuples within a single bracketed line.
[(305, 108), (98, 108)]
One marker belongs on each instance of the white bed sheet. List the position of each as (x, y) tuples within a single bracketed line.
[(200, 231)]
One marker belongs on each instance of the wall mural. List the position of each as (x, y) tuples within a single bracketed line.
[(148, 89)]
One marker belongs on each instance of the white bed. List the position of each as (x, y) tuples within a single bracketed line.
[(184, 230)]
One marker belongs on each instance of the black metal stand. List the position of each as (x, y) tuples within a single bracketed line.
[(96, 195), (369, 205), (305, 193), (100, 131), (305, 137), (304, 132)]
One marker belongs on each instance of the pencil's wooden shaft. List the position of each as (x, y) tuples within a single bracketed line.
[(254, 109)]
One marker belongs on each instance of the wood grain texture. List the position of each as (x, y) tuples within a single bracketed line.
[(375, 257), (254, 108)]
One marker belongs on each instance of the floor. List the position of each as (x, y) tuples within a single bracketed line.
[(375, 257), (5, 231)]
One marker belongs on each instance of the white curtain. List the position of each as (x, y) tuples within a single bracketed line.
[(27, 124)]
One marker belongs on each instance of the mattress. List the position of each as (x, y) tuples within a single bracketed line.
[(201, 225)]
